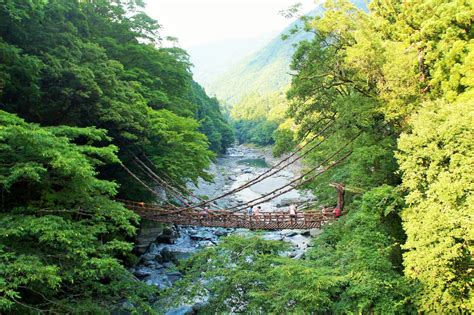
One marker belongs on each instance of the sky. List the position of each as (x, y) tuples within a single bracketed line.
[(198, 22)]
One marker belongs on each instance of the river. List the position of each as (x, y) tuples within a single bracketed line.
[(238, 166), (243, 163)]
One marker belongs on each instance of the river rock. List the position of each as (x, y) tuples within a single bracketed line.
[(289, 233), (202, 235), (168, 236), (181, 255), (315, 232), (147, 234), (159, 279), (206, 244), (142, 272), (174, 255), (298, 240), (272, 236), (174, 276), (147, 257), (305, 233), (167, 255), (153, 249), (221, 232), (152, 264), (299, 255), (182, 310)]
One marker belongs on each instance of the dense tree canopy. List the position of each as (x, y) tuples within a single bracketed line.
[(96, 63), (63, 240), (399, 76), (91, 88), (257, 117)]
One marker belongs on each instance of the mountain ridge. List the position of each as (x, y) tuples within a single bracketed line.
[(214, 58), (266, 70)]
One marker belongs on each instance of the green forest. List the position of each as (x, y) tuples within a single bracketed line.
[(86, 87)]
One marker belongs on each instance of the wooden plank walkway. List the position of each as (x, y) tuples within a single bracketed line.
[(308, 219)]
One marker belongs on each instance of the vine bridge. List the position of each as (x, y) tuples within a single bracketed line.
[(308, 219)]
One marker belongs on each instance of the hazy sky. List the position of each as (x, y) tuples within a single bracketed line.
[(196, 22)]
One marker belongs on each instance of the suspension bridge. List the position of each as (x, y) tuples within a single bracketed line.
[(196, 211), (308, 219)]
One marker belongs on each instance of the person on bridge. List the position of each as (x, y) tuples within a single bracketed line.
[(257, 211), (292, 211), (337, 212), (250, 210), (205, 213)]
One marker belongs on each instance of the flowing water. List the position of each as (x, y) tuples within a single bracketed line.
[(258, 163)]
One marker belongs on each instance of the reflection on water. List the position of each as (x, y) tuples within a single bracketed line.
[(260, 163)]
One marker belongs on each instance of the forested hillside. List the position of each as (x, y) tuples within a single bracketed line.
[(85, 88), (393, 89), (256, 117), (262, 72), (210, 60), (253, 90), (381, 103)]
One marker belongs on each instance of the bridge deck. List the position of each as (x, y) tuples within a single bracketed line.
[(221, 218)]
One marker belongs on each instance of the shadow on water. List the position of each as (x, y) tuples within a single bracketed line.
[(261, 163)]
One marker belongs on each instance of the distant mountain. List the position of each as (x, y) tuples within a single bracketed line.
[(212, 59), (266, 70)]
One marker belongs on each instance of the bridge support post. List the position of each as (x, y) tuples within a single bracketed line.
[(340, 194)]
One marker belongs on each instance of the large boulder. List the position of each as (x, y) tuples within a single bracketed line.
[(182, 310), (203, 235), (289, 233), (159, 279), (298, 240), (147, 234), (168, 236), (142, 272), (272, 236), (174, 255), (221, 232), (147, 257)]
